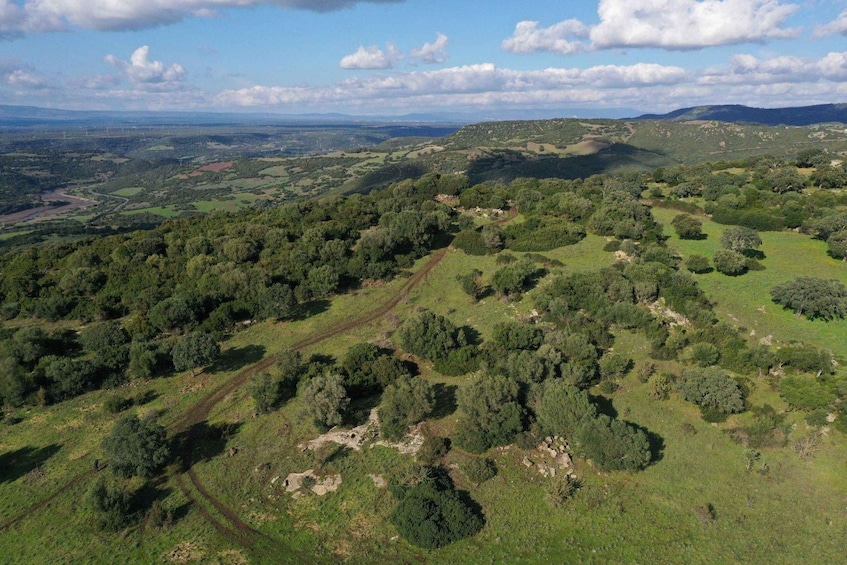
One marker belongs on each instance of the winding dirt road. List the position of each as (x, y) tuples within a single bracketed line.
[(235, 529)]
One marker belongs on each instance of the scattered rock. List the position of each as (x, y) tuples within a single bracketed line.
[(351, 439), (527, 462), (327, 484), (379, 482), (185, 552)]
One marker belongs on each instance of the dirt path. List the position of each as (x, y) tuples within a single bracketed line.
[(44, 503), (238, 531)]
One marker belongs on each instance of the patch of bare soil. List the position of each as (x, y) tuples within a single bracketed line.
[(185, 552)]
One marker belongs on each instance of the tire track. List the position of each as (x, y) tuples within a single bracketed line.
[(242, 533), (239, 531)]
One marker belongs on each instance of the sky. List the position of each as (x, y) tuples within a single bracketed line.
[(393, 57)]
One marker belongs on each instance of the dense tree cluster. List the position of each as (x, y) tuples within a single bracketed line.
[(812, 297)]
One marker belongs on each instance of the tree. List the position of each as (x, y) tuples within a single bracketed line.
[(266, 391), (730, 262), (687, 227), (739, 238), (562, 408), (432, 515), (491, 413), (325, 399), (812, 297), (837, 244), (697, 264), (112, 506), (613, 445), (194, 351), (711, 388), (471, 284), (136, 447), (405, 402), (429, 336)]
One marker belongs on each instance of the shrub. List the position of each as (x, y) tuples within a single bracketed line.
[(405, 402), (560, 490), (325, 400), (812, 297), (614, 366), (117, 403), (429, 336), (805, 393), (471, 242), (613, 445), (478, 469), (711, 388), (702, 354), (112, 506), (697, 264), (562, 408), (491, 413), (432, 449), (266, 392), (730, 262), (432, 515), (687, 227), (458, 362), (136, 447)]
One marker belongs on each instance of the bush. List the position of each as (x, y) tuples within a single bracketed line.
[(432, 449), (687, 227), (560, 490), (325, 400), (711, 388), (266, 392), (613, 445), (491, 413), (458, 362), (478, 469), (137, 447), (471, 242), (698, 264), (730, 262), (112, 506), (117, 403), (429, 336), (405, 402), (432, 515), (812, 297), (614, 366), (805, 393), (702, 354)]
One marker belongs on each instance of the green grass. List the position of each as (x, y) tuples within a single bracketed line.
[(746, 301), (795, 511), (129, 191), (164, 211)]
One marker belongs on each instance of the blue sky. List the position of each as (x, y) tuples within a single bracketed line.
[(400, 56)]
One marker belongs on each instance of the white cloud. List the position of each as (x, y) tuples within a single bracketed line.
[(432, 53), (666, 24), (466, 85), (745, 69), (140, 70), (529, 37), (371, 58), (837, 26), (60, 15), (25, 80)]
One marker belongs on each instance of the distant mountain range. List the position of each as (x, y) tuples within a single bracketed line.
[(800, 116), (50, 118), (32, 116)]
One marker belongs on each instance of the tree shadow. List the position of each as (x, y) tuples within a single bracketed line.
[(309, 309), (754, 254), (146, 397), (16, 464), (238, 357), (472, 335), (202, 442), (604, 406), (150, 492), (657, 443), (445, 400)]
